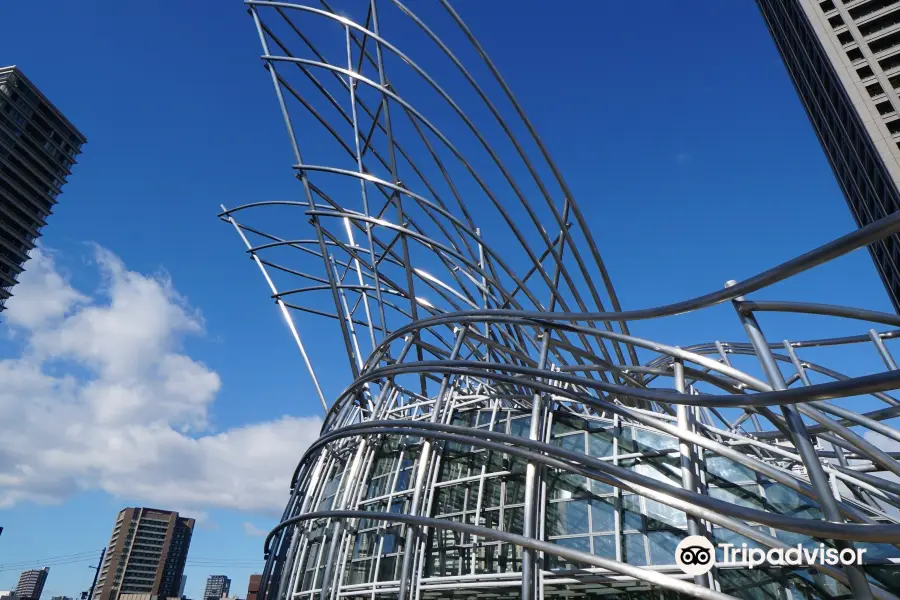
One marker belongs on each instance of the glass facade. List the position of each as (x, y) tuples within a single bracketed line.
[(486, 487)]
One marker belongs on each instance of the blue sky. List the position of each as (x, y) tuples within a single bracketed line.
[(675, 124)]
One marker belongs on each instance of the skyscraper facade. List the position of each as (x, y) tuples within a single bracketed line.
[(31, 583), (844, 60), (146, 554), (217, 586), (38, 146)]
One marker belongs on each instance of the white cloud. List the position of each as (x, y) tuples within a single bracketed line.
[(254, 531), (42, 295), (103, 398)]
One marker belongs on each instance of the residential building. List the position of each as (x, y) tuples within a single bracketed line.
[(38, 146), (217, 586), (181, 587), (145, 555), (844, 60), (253, 586), (31, 583), (61, 598)]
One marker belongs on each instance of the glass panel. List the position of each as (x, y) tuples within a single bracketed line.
[(635, 554), (575, 442), (580, 543), (756, 584), (515, 490), (565, 518), (651, 440), (563, 425), (888, 575), (563, 485), (490, 519), (600, 443), (785, 501), (403, 479), (365, 543), (600, 488), (486, 559), (520, 427), (386, 568), (603, 515), (662, 546), (660, 516), (658, 470), (626, 444), (358, 572), (605, 546), (742, 496), (491, 494), (721, 469), (513, 520), (631, 512), (874, 550)]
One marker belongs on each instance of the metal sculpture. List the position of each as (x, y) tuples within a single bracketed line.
[(503, 433)]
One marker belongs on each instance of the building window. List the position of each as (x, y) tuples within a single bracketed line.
[(885, 107)]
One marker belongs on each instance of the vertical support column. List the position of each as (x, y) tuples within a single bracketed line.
[(531, 509), (352, 84), (421, 481), (684, 414), (838, 451), (800, 437)]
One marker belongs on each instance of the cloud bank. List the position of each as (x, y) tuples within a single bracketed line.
[(103, 398)]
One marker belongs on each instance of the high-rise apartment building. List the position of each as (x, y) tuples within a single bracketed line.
[(844, 60), (146, 554), (38, 146), (217, 586), (31, 583), (253, 587)]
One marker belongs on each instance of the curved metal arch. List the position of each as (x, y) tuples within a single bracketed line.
[(382, 42), (865, 384), (852, 241), (429, 366), (543, 454), (687, 436), (812, 308), (698, 505)]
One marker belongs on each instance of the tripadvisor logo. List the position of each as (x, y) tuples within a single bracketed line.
[(696, 555)]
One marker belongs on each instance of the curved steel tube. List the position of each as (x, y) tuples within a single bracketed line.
[(472, 409)]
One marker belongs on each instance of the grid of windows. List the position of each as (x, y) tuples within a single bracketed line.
[(859, 166), (487, 488), (37, 151)]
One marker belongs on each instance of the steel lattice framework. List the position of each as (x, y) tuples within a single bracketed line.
[(503, 434)]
